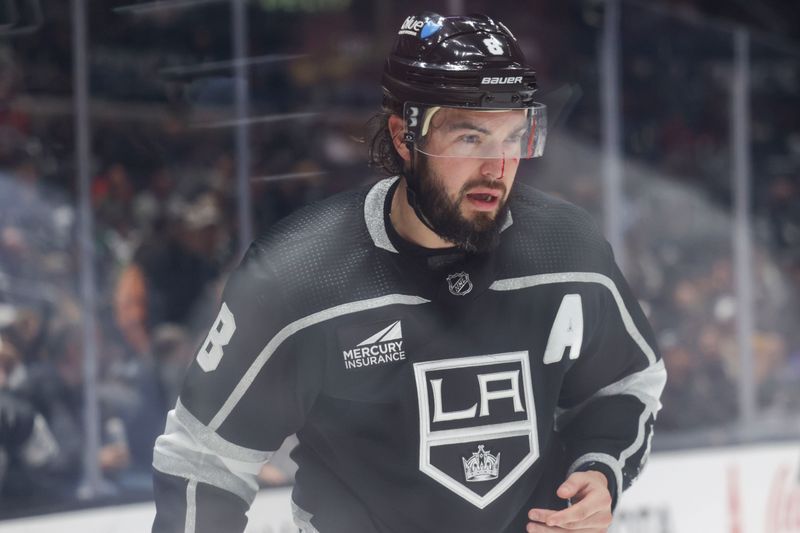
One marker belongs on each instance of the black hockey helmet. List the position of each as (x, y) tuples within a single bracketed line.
[(468, 62), (465, 61)]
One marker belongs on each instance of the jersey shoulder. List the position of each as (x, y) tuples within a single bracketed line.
[(340, 214), (550, 235), (321, 255)]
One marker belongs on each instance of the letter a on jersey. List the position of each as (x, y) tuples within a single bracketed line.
[(567, 330), (482, 403)]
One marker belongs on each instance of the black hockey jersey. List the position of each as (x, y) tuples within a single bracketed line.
[(430, 391)]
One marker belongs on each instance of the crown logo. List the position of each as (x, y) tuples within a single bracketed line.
[(482, 466)]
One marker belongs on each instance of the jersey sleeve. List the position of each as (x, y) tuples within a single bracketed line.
[(248, 388), (611, 394)]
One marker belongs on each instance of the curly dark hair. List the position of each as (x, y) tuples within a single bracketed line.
[(381, 151)]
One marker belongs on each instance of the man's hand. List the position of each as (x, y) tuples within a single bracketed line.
[(590, 511)]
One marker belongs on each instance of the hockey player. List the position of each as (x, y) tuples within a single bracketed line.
[(455, 352)]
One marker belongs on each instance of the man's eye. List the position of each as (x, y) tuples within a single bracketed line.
[(469, 139)]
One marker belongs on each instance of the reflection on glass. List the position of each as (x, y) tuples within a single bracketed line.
[(775, 97), (164, 201), (679, 189)]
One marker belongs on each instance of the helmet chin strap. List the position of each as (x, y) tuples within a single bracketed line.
[(412, 182), (412, 201)]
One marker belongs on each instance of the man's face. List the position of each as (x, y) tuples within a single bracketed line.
[(465, 197)]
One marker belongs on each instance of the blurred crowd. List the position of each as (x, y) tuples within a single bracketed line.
[(164, 203), (680, 239)]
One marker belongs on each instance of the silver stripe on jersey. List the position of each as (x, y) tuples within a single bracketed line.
[(213, 442), (604, 458), (180, 453), (374, 216), (376, 220), (294, 327), (646, 385), (639, 441), (302, 519), (202, 467), (582, 277), (191, 507)]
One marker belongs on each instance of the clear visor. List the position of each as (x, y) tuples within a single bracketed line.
[(478, 133)]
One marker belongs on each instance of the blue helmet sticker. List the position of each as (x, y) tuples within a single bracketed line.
[(430, 28), (421, 28)]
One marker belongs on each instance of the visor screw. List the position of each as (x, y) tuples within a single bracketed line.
[(515, 98), (489, 98)]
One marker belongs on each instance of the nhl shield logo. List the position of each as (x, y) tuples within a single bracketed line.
[(473, 411), (459, 283)]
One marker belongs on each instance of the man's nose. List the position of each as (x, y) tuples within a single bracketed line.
[(493, 167)]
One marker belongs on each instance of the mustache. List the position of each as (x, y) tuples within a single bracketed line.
[(481, 182)]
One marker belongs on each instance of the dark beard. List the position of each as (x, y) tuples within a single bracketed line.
[(479, 235)]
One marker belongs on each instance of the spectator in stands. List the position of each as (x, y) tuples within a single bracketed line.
[(783, 209), (112, 201), (170, 273), (27, 447), (35, 222), (129, 413), (173, 350), (9, 87), (699, 385), (150, 204)]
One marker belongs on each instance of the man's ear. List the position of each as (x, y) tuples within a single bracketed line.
[(397, 128)]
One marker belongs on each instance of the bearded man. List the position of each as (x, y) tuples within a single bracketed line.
[(455, 352)]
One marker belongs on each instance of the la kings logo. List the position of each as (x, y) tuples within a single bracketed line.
[(473, 410), (383, 347)]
